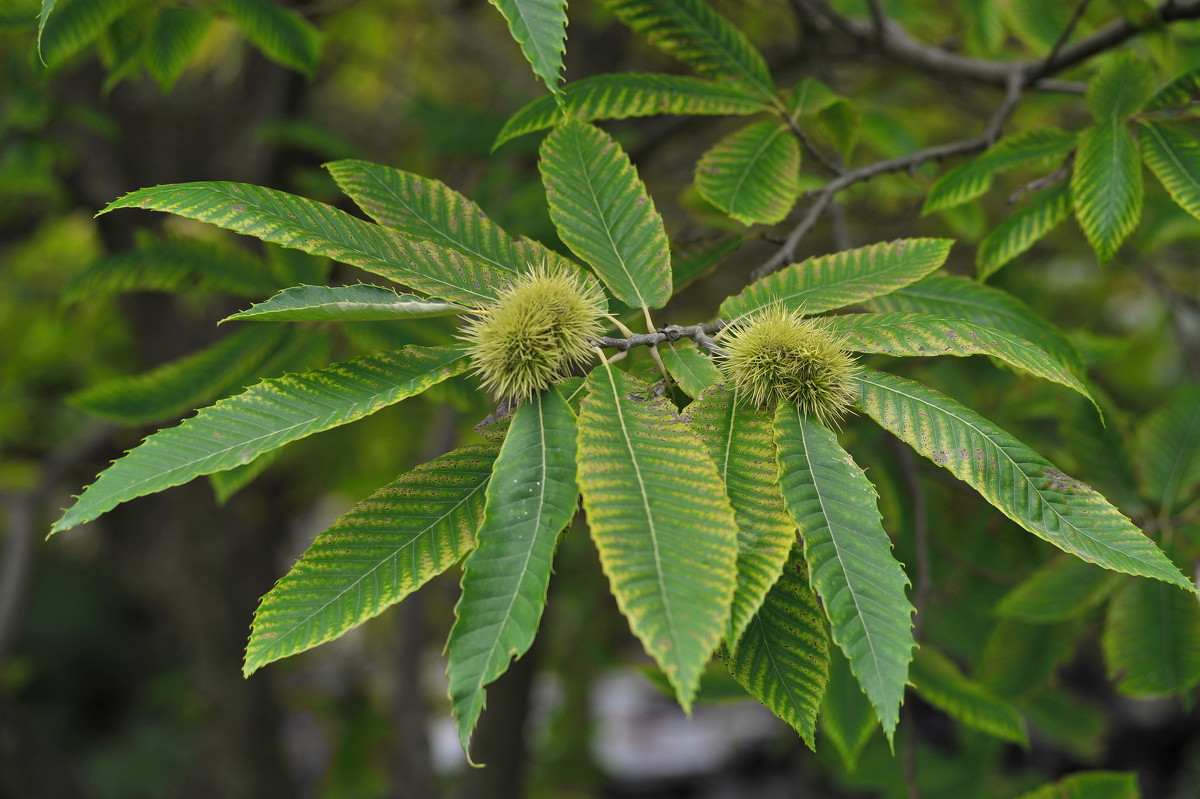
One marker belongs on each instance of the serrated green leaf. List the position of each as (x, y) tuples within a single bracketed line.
[(1022, 230), (959, 298), (74, 25), (382, 550), (1168, 450), (1183, 90), (849, 557), (693, 32), (659, 516), (810, 97), (1174, 158), (1121, 87), (782, 659), (1106, 186), (692, 369), (530, 499), (833, 281), (321, 229), (740, 440), (846, 718), (280, 33), (1152, 639), (360, 303), (540, 28), (264, 417), (1064, 589), (631, 94), (1018, 658), (922, 335), (717, 685), (939, 682), (691, 261), (1012, 477), (176, 33), (603, 213), (44, 12), (1089, 785), (753, 175)]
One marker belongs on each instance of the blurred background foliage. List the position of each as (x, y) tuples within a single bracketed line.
[(120, 643)]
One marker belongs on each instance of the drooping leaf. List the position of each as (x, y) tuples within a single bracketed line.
[(321, 229), (74, 25), (1022, 230), (693, 32), (227, 483), (692, 369), (740, 441), (266, 416), (782, 659), (360, 303), (382, 550), (833, 281), (659, 516), (1090, 785), (1064, 589), (1012, 477), (1152, 639), (959, 298), (717, 685), (280, 33), (753, 174), (689, 262), (849, 557), (1174, 158), (846, 718), (632, 94), (1182, 91), (44, 12), (1168, 449), (1121, 87), (540, 27), (940, 683), (530, 499), (176, 33), (603, 213), (922, 335), (1106, 186), (1018, 658)]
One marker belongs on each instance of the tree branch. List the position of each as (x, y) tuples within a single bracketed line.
[(701, 334)]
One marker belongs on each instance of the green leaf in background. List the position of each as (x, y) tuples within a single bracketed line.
[(603, 213), (227, 483), (176, 33), (1106, 186), (1019, 658), (1090, 785), (740, 440), (1183, 90), (939, 682), (1152, 639), (691, 261), (530, 499), (264, 417), (74, 25), (1174, 158), (540, 28), (1121, 87), (693, 32), (849, 557), (753, 175), (631, 94), (846, 718), (661, 520), (1037, 23), (1014, 478), (360, 303), (1022, 230), (1064, 589), (922, 335), (321, 229), (383, 549), (782, 659), (692, 369), (1168, 450), (280, 33), (833, 281), (959, 298)]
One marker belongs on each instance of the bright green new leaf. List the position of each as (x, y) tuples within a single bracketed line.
[(940, 683), (360, 303), (833, 281), (176, 33), (692, 369), (1064, 589), (659, 516), (74, 26), (693, 32), (632, 94), (753, 175), (1014, 478), (740, 441), (846, 718), (321, 229), (1121, 87), (1174, 158), (1106, 186), (1090, 785), (1168, 449), (386, 547), (280, 33), (782, 659), (264, 417), (1023, 229), (603, 213), (530, 499), (849, 558), (1152, 639), (540, 27)]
